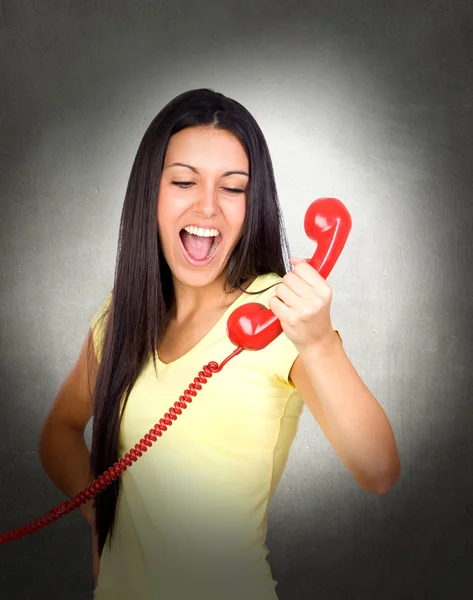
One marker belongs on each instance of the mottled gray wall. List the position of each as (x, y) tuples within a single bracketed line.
[(367, 100)]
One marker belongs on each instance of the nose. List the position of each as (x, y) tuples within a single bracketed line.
[(206, 203)]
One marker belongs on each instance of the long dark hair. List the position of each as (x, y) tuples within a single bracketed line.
[(143, 294)]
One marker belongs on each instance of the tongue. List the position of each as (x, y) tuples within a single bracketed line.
[(197, 246)]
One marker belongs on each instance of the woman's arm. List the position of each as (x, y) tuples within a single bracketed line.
[(62, 448), (348, 414)]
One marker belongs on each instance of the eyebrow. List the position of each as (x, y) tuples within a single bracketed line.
[(179, 164)]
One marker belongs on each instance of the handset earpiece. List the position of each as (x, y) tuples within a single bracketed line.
[(327, 222)]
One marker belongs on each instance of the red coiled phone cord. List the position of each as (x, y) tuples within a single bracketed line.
[(104, 480)]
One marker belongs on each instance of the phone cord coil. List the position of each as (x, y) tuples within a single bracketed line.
[(111, 474)]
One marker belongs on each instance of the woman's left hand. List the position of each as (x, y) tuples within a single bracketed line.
[(302, 303)]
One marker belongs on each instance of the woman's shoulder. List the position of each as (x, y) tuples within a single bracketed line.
[(269, 278), (98, 323)]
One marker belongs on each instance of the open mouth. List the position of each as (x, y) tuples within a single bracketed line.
[(199, 245)]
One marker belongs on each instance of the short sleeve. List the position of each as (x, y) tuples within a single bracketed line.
[(98, 324), (286, 354)]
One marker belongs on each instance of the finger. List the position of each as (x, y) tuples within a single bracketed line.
[(294, 260), (307, 272), (298, 284), (279, 308), (287, 295)]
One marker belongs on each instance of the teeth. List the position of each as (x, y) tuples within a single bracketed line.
[(202, 232), (213, 247)]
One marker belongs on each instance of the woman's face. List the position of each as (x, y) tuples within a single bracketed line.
[(202, 202)]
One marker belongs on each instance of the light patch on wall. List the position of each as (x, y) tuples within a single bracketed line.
[(331, 130)]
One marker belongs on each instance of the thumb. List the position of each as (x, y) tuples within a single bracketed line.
[(294, 260)]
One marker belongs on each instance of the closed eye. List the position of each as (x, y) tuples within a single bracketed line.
[(187, 184), (183, 184), (234, 190)]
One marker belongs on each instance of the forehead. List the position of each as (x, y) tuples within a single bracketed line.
[(206, 146)]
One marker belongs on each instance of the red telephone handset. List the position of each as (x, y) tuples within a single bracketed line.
[(252, 326)]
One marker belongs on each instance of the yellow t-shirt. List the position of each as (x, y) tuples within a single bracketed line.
[(191, 518)]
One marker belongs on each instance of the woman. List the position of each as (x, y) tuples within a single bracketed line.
[(201, 234)]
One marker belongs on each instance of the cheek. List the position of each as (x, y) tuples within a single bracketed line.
[(171, 204), (164, 213), (159, 206), (241, 220), (237, 215)]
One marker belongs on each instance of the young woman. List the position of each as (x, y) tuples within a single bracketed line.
[(201, 233)]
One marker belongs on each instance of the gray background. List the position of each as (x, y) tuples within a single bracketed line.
[(369, 101)]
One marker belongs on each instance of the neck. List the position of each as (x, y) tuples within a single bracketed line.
[(194, 300)]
